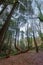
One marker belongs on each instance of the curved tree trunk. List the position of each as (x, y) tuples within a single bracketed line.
[(35, 43), (18, 48), (5, 26)]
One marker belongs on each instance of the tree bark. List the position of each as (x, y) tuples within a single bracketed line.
[(19, 49), (28, 37), (35, 43), (5, 26), (9, 41)]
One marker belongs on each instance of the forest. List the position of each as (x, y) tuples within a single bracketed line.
[(21, 31)]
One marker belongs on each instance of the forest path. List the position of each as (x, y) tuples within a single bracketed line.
[(28, 58)]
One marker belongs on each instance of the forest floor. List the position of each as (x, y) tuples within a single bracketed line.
[(28, 58)]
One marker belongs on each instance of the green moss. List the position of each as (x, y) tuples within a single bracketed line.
[(41, 17), (2, 54), (14, 52)]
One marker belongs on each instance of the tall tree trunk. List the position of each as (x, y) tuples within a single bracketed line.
[(16, 35), (27, 37), (10, 43), (3, 41), (40, 33), (19, 49), (28, 42), (9, 48), (35, 43), (5, 26)]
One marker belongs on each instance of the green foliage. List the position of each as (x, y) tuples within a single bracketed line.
[(22, 8), (41, 35), (41, 17), (8, 1), (5, 47), (29, 40), (2, 55), (3, 52), (12, 24), (41, 47), (22, 46), (14, 52)]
